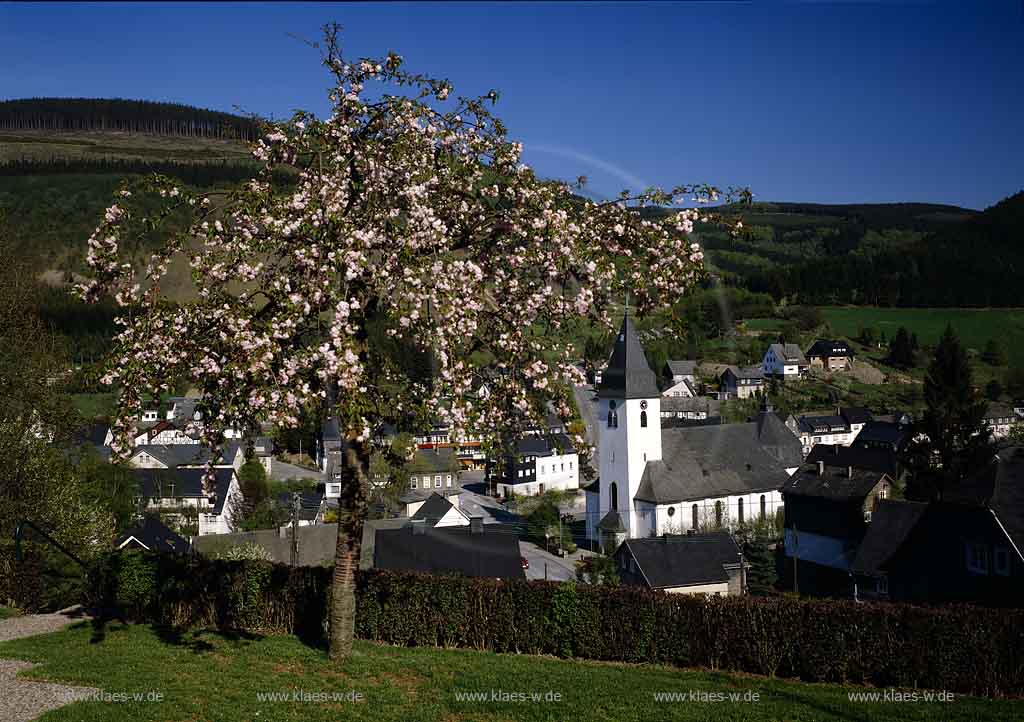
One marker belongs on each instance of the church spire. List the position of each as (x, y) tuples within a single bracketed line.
[(628, 374)]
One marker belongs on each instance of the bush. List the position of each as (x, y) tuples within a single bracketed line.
[(958, 648)]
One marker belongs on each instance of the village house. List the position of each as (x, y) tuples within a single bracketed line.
[(540, 464), (654, 480), (828, 509), (879, 459), (177, 495), (884, 434), (152, 535), (679, 379), (999, 418), (841, 427), (830, 355), (436, 468), (440, 511), (741, 382), (682, 411), (784, 361), (474, 550), (683, 564)]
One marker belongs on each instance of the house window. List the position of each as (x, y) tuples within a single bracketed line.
[(764, 512), (1001, 561), (570, 466), (740, 510), (448, 480), (977, 559), (696, 517), (563, 466), (613, 496), (412, 482), (437, 481), (643, 419)]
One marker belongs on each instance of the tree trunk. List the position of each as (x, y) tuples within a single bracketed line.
[(355, 458)]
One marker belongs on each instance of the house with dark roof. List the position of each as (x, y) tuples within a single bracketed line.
[(477, 550), (840, 426), (738, 382), (678, 379), (830, 355), (879, 459), (436, 469), (440, 511), (965, 548), (828, 509), (178, 494), (654, 480), (785, 361), (683, 564), (152, 535), (540, 464), (884, 434)]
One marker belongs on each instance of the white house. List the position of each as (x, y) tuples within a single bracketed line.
[(655, 480), (440, 511), (840, 428), (679, 379), (541, 463), (785, 361), (178, 494)]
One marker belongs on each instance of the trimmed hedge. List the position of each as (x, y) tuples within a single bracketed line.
[(43, 581), (960, 648)]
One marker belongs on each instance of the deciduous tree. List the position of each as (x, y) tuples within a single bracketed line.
[(410, 210)]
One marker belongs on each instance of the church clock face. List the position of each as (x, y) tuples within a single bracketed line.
[(643, 404)]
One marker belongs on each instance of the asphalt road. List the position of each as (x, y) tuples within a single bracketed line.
[(547, 566), (282, 471)]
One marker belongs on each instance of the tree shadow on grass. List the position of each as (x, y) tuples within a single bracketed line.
[(194, 641)]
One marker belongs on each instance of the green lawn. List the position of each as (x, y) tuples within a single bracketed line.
[(7, 612), (212, 677), (974, 326)]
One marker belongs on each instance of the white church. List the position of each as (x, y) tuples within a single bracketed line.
[(654, 481)]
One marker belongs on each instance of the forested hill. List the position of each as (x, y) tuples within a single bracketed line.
[(122, 115), (927, 258)]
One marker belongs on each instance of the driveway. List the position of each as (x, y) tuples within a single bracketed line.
[(547, 566), (282, 471)]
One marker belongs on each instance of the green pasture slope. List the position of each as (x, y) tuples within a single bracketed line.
[(974, 326)]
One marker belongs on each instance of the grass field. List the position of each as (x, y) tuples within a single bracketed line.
[(7, 612), (110, 144), (974, 326), (213, 677)]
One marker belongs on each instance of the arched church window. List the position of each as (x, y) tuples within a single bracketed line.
[(763, 505), (718, 513), (613, 416), (613, 494), (643, 419), (696, 518), (740, 515)]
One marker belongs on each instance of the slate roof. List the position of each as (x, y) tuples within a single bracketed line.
[(155, 536), (545, 446), (828, 347), (697, 403), (835, 483), (436, 459), (789, 352), (855, 414), (888, 433), (711, 461), (683, 560), (681, 368), (882, 460), (891, 523), (493, 553), (746, 372), (999, 487), (188, 483), (628, 374), (433, 510), (612, 521), (822, 424)]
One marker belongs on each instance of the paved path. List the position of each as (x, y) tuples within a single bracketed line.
[(22, 700), (282, 471)]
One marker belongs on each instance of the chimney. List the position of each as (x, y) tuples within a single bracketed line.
[(476, 525), (419, 526), (821, 468)]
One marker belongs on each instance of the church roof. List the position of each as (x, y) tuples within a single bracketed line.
[(713, 461), (628, 374), (612, 522)]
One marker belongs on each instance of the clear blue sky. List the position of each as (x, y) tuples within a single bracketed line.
[(855, 102)]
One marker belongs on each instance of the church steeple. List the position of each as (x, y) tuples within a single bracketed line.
[(628, 375)]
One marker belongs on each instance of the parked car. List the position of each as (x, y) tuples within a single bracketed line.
[(526, 563)]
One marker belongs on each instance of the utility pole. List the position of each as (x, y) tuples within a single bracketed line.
[(295, 528)]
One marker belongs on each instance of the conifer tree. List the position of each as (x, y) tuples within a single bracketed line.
[(951, 440)]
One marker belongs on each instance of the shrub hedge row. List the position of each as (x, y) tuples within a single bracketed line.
[(958, 648)]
